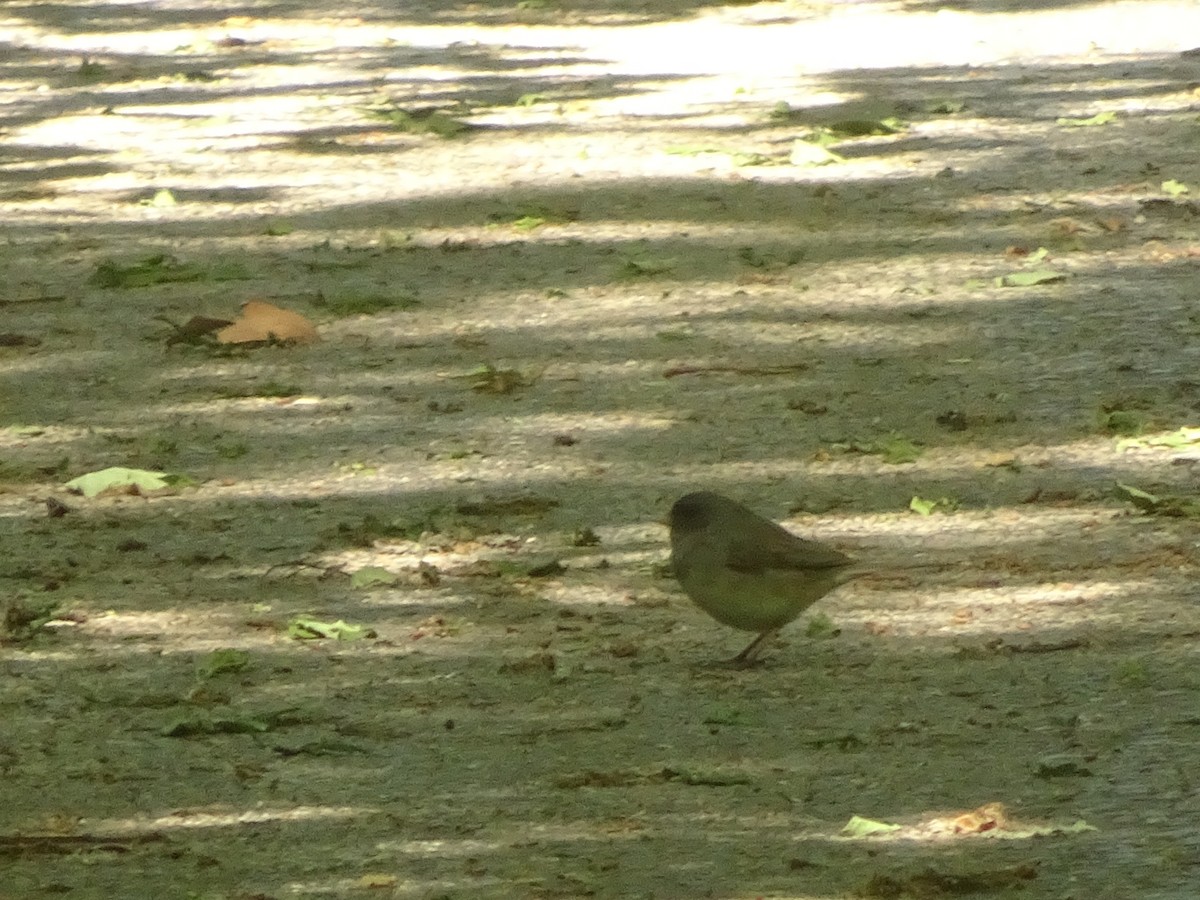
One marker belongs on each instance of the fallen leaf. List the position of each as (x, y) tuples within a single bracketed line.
[(263, 322), (373, 576), (118, 479), (1102, 118), (858, 827), (985, 818), (158, 269), (203, 724), (226, 660), (1169, 505), (921, 506), (304, 628)]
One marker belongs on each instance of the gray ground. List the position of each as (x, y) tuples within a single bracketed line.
[(669, 298)]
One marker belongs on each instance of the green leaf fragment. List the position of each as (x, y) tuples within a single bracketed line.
[(162, 199), (897, 450), (201, 725), (780, 112), (705, 778), (853, 128), (1182, 439), (22, 619), (691, 149), (645, 266), (373, 576), (922, 507), (223, 662), (1102, 118), (821, 626), (307, 629), (926, 506), (369, 304), (230, 271), (158, 269), (858, 827), (1061, 766), (945, 107), (1122, 421), (1172, 506), (137, 481)]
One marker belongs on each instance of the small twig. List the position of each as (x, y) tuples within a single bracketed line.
[(14, 844), (1001, 646)]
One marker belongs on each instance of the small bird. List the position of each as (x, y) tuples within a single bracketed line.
[(746, 571)]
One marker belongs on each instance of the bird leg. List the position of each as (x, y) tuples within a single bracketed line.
[(749, 656)]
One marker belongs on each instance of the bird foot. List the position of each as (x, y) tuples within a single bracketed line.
[(749, 657)]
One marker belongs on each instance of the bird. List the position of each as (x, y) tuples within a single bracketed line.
[(746, 571)]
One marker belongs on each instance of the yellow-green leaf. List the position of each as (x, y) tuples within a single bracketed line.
[(922, 507), (897, 450), (223, 661), (858, 827), (372, 576), (306, 629), (1102, 118), (118, 478)]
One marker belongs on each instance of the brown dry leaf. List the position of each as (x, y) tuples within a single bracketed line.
[(1158, 253), (263, 322), (1067, 225), (988, 817), (999, 459), (434, 626)]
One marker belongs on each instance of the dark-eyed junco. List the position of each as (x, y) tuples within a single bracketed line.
[(746, 571)]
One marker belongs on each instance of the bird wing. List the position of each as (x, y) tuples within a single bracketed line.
[(780, 549)]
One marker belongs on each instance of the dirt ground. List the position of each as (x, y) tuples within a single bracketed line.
[(569, 260)]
